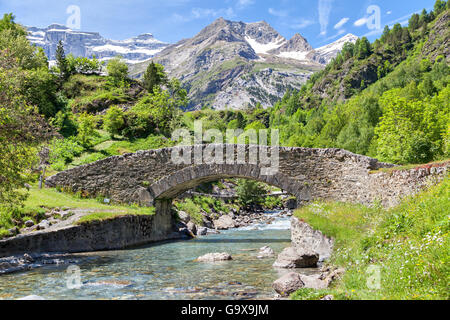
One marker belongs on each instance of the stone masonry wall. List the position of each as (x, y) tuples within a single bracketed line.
[(308, 174), (114, 234), (148, 175)]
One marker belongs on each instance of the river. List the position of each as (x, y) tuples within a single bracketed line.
[(165, 270)]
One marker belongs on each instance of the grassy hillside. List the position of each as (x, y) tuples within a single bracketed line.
[(410, 245), (389, 99)]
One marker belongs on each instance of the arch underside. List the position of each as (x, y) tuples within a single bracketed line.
[(188, 178)]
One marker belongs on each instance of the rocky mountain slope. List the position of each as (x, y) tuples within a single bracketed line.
[(228, 64), (237, 64), (88, 44)]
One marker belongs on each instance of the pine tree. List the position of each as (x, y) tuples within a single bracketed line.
[(439, 7), (61, 62), (414, 22), (154, 77), (385, 35)]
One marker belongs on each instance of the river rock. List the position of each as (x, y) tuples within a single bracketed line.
[(202, 231), (224, 223), (192, 227), (314, 282), (44, 224), (293, 257), (304, 236), (213, 257), (288, 284), (184, 216), (29, 223), (329, 275), (13, 231), (265, 252), (28, 258), (328, 298)]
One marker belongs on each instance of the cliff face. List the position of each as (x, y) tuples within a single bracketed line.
[(88, 44)]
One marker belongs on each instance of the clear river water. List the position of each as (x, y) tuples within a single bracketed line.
[(166, 270)]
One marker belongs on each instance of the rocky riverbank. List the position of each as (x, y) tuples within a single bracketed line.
[(233, 220), (26, 262), (308, 248)]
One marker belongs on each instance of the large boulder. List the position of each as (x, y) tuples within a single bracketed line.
[(214, 257), (224, 223), (293, 257), (287, 284), (304, 236)]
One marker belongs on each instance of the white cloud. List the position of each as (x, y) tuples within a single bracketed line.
[(203, 13), (278, 13), (340, 32), (301, 23), (244, 3), (341, 23), (389, 12), (200, 13), (324, 15), (360, 22)]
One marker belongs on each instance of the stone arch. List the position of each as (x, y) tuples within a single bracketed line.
[(170, 187)]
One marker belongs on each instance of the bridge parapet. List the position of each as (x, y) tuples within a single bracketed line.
[(145, 176)]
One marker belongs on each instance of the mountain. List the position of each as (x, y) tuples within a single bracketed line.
[(326, 53), (88, 44), (228, 64), (237, 64)]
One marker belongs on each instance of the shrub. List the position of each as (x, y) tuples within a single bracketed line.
[(63, 151), (114, 121)]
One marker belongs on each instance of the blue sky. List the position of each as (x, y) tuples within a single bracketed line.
[(320, 21)]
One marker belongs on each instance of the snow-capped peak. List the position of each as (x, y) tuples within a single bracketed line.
[(330, 51), (88, 44)]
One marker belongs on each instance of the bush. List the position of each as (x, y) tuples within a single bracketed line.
[(86, 129), (92, 158), (82, 65), (117, 71), (250, 192), (113, 121), (64, 150)]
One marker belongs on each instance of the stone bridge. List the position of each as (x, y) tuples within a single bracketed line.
[(149, 177), (152, 178)]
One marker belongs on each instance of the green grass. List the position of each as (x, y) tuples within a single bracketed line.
[(409, 244), (41, 201), (102, 216), (441, 163)]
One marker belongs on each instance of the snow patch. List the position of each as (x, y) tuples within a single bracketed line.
[(260, 48), (294, 55)]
